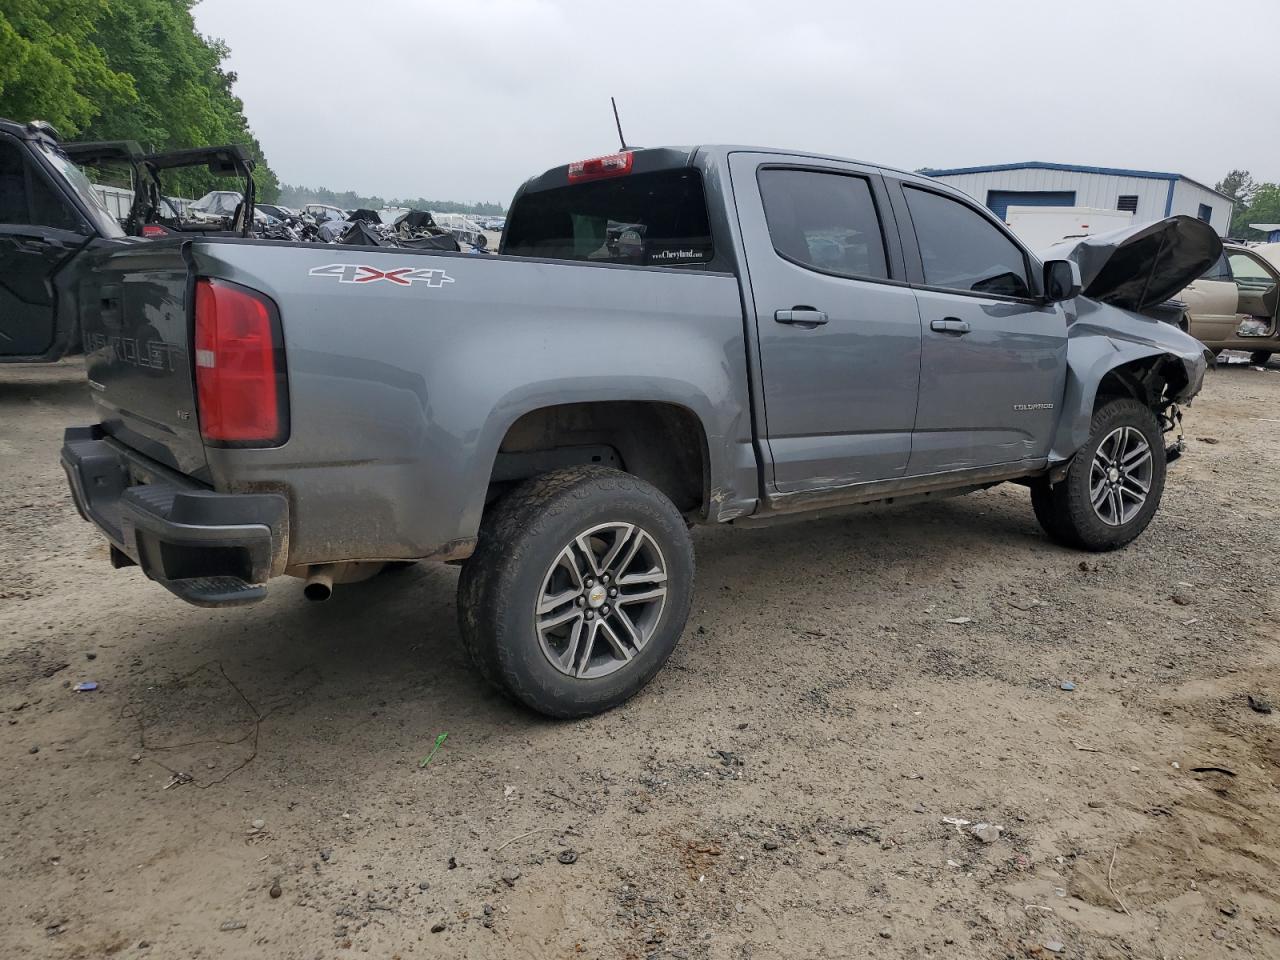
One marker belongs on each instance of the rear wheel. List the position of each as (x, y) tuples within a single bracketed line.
[(1259, 358), (578, 590), (1114, 484)]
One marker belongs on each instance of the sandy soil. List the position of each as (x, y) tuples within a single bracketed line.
[(778, 792)]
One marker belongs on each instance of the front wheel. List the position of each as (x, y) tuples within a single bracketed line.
[(1259, 358), (1114, 484), (578, 590)]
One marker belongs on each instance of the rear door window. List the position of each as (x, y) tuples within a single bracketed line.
[(650, 219), (824, 221), (963, 250)]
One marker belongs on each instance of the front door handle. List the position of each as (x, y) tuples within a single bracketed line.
[(801, 316), (950, 325)]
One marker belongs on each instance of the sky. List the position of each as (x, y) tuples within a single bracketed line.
[(465, 99)]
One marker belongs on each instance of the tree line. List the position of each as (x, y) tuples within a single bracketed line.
[(129, 70), (292, 196), (1255, 203)]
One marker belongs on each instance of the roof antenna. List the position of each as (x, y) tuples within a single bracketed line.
[(621, 139)]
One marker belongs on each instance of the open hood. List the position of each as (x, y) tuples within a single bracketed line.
[(1136, 268)]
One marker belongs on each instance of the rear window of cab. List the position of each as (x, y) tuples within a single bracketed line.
[(656, 219)]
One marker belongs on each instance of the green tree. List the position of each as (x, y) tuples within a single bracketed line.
[(1255, 203), (185, 97), (125, 70), (1239, 185), (1264, 207), (52, 69)]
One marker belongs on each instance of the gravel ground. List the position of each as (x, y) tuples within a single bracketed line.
[(249, 782)]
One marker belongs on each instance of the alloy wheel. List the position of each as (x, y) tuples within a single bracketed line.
[(1120, 478), (601, 600)]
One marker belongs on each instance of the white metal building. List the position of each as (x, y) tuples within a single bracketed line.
[(117, 200), (1147, 194)]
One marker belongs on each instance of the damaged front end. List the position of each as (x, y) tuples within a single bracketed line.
[(1119, 340)]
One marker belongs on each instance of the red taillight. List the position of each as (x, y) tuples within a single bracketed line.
[(154, 230), (241, 391), (598, 168)]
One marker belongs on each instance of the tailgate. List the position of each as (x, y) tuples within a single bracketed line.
[(134, 318)]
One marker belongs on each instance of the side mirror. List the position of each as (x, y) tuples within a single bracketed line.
[(1061, 280)]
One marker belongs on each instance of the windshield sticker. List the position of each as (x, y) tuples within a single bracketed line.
[(402, 276)]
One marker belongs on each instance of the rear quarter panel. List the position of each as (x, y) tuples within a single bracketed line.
[(400, 394)]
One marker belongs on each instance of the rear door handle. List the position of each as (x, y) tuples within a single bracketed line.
[(950, 325), (801, 316)]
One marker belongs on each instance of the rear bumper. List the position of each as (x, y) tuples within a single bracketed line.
[(211, 549)]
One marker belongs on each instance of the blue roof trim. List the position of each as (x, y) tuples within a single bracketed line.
[(1041, 165), (1071, 168)]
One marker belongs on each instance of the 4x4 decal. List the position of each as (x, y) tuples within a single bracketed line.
[(404, 276)]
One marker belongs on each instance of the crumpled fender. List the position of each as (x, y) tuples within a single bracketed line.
[(1101, 338)]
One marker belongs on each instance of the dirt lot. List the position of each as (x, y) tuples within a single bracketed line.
[(247, 783)]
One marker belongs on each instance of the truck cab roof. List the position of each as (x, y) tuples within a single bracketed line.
[(650, 159)]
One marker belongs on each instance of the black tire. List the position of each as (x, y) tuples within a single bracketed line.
[(1260, 358), (520, 540), (1066, 511)]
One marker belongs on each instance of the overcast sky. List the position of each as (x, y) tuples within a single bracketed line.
[(464, 99)]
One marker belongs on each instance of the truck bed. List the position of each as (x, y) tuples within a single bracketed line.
[(405, 371)]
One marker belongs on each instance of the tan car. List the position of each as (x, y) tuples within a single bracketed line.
[(1233, 305)]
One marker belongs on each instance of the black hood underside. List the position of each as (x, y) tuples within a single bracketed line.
[(1137, 268)]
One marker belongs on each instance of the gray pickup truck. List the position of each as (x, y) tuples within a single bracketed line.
[(666, 337)]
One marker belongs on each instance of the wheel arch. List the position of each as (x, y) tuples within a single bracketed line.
[(1117, 369), (662, 441)]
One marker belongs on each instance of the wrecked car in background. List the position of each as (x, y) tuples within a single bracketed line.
[(216, 205), (667, 336), (463, 228), (1235, 304), (277, 210)]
